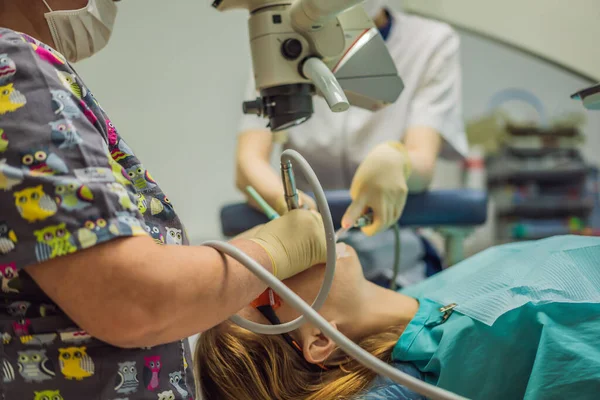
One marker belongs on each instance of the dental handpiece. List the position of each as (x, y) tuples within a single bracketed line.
[(363, 220), (289, 186)]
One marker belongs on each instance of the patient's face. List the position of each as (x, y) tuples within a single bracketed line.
[(342, 298)]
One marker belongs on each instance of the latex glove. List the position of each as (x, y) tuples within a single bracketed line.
[(294, 242), (380, 183), (305, 201), (250, 233)]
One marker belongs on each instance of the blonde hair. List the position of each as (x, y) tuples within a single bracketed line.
[(234, 363)]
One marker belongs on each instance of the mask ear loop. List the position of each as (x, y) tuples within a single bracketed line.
[(50, 9), (52, 26)]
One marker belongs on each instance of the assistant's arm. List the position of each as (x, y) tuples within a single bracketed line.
[(131, 292)]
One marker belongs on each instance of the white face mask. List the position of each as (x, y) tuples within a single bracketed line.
[(79, 34), (373, 7)]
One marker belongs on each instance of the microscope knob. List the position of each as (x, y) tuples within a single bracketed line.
[(253, 107), (291, 49)]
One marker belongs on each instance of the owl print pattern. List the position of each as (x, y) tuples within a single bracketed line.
[(68, 182)]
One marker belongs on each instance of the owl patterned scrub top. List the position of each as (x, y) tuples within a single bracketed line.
[(68, 181)]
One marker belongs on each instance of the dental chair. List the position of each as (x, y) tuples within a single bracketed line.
[(453, 213)]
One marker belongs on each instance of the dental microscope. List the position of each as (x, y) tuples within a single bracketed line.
[(303, 48)]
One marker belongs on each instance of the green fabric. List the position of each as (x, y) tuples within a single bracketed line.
[(537, 350), (559, 269)]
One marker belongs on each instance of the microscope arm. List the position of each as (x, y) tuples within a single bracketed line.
[(310, 15)]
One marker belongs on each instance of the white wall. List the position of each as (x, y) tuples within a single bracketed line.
[(545, 27), (173, 77)]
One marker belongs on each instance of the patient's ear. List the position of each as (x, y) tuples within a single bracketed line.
[(316, 347)]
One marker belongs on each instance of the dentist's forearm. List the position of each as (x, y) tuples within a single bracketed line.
[(263, 178), (253, 166), (422, 172), (423, 145)]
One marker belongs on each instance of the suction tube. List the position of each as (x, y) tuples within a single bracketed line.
[(309, 313)]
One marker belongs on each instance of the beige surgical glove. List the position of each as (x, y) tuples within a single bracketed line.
[(305, 201), (295, 242), (250, 233), (380, 183)]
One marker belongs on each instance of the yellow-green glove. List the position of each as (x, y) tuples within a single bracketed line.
[(380, 183), (295, 242), (305, 202)]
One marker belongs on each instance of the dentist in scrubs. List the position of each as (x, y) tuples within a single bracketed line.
[(379, 156), (99, 286)]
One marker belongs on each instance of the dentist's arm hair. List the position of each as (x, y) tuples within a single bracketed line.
[(131, 292)]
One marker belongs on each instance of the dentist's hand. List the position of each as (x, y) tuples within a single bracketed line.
[(380, 183), (294, 242), (305, 201), (250, 233)]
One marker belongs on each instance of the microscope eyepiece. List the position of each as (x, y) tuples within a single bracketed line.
[(253, 107)]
